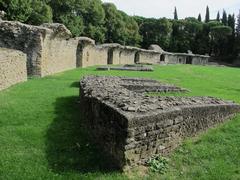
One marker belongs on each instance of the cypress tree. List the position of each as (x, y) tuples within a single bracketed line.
[(224, 18), (199, 18), (218, 17), (207, 18), (238, 25), (175, 14)]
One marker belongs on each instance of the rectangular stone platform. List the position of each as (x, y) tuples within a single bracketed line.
[(131, 126)]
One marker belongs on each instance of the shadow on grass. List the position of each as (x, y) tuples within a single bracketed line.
[(75, 84), (68, 146)]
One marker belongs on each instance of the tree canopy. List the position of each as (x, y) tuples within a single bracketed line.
[(106, 24)]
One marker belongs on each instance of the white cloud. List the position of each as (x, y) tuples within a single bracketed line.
[(165, 8)]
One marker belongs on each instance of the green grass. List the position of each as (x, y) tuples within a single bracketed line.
[(41, 136)]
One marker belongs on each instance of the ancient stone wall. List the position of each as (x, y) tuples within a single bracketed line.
[(200, 60), (49, 49), (148, 57), (131, 126), (118, 54), (13, 68), (184, 58), (91, 54)]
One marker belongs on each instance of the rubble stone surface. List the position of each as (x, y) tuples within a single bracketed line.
[(131, 126)]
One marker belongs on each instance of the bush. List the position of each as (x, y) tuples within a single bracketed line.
[(158, 164)]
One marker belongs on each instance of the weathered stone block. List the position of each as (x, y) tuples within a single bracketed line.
[(131, 137)]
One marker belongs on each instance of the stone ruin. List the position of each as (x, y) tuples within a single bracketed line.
[(12, 67), (127, 67), (131, 126), (50, 49)]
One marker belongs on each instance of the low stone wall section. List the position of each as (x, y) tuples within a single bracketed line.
[(92, 55), (118, 54), (131, 126), (13, 68), (148, 57), (49, 47)]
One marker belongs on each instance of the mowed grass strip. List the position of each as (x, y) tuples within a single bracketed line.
[(42, 137)]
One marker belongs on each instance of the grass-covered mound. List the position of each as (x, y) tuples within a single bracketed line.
[(41, 136)]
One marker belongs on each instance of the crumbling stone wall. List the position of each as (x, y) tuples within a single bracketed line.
[(200, 60), (148, 57), (118, 54), (13, 68), (184, 58), (131, 126), (48, 47), (91, 54)]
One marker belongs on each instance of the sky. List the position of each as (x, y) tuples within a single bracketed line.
[(185, 8)]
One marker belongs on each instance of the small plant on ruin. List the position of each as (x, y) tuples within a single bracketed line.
[(158, 164)]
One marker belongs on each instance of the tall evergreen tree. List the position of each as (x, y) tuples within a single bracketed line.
[(175, 14), (199, 18), (207, 18), (238, 25), (224, 18), (218, 16), (237, 41)]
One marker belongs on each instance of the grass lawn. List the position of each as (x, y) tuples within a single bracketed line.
[(41, 136)]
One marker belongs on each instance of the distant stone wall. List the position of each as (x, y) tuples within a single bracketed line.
[(50, 49), (184, 58), (92, 55), (13, 67), (148, 57), (118, 54), (131, 127)]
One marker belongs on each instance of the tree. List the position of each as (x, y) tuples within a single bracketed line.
[(73, 23), (237, 41), (219, 36), (231, 38), (41, 13), (224, 18), (88, 15), (154, 31), (238, 25), (18, 10), (114, 24), (199, 18), (207, 17), (218, 16), (175, 14), (131, 30)]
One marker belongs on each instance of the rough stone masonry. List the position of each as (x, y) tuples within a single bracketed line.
[(131, 126)]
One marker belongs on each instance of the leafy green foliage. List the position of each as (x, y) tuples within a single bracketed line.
[(41, 13), (29, 11), (155, 31), (158, 164), (72, 22), (19, 10)]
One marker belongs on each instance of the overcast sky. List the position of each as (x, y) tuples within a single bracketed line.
[(165, 8)]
